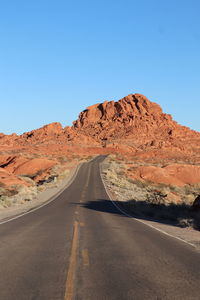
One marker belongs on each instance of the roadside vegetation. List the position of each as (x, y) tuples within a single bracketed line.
[(147, 200), (17, 194)]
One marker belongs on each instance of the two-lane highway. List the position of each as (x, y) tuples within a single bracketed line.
[(81, 247)]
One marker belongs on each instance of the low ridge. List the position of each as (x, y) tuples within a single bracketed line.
[(135, 129), (133, 121)]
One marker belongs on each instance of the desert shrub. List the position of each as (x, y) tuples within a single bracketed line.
[(62, 159), (157, 197), (181, 215), (150, 199), (2, 191), (89, 157), (139, 183), (2, 185), (5, 202), (17, 187), (64, 174), (41, 188)]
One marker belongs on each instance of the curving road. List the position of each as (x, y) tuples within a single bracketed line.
[(81, 247)]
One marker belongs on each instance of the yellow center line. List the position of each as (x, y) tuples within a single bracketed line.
[(72, 265), (69, 290), (84, 190), (88, 177), (85, 256)]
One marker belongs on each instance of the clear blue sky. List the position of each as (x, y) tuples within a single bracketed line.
[(58, 57)]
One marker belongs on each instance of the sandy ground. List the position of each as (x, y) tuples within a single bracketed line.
[(188, 234), (41, 198)]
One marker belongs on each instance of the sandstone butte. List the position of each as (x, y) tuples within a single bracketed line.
[(133, 127)]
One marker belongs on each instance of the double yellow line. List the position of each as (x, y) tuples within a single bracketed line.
[(72, 265), (69, 290)]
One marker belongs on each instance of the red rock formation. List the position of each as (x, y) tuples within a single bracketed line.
[(8, 179), (36, 168), (176, 174), (47, 132), (138, 124), (5, 160), (131, 126), (130, 116), (75, 137)]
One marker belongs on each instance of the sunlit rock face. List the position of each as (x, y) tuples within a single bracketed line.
[(133, 126), (137, 122)]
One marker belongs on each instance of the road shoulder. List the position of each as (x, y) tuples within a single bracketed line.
[(187, 235), (40, 199)]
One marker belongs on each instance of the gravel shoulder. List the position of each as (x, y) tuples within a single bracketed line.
[(119, 194), (39, 199)]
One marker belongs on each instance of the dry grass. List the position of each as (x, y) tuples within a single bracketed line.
[(16, 194), (19, 194), (149, 200), (180, 215)]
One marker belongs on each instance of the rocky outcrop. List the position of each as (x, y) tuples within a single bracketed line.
[(8, 140), (196, 203), (128, 117), (34, 167), (8, 179), (132, 126), (6, 160), (137, 124), (12, 167), (176, 174), (48, 132), (79, 138)]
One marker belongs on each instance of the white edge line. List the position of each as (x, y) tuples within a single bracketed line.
[(48, 201), (138, 220)]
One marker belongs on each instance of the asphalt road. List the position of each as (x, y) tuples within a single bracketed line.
[(81, 247)]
